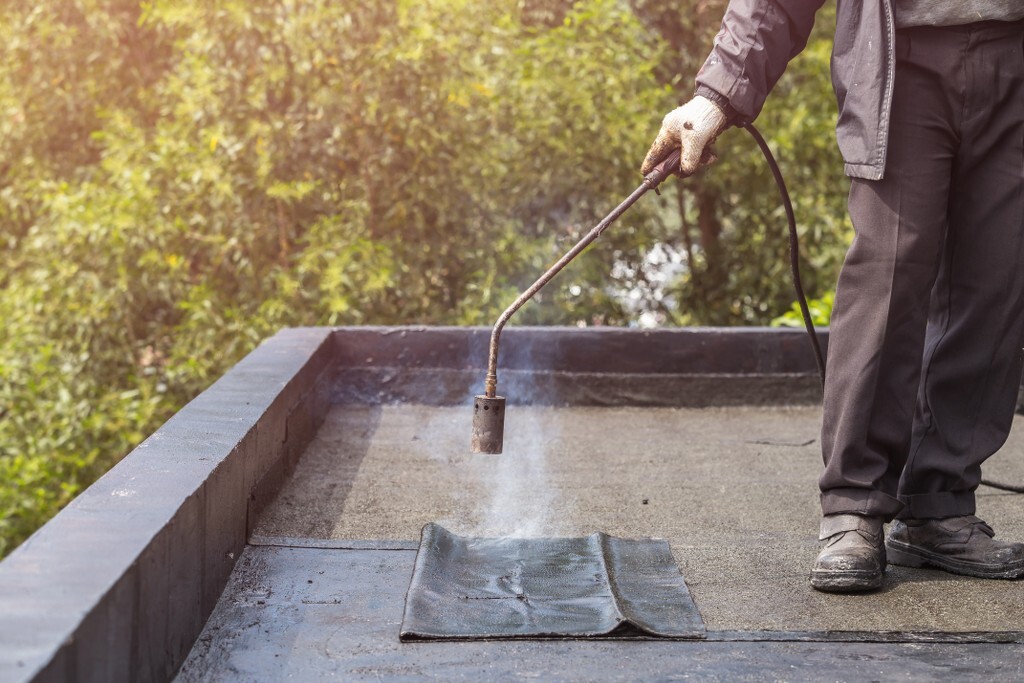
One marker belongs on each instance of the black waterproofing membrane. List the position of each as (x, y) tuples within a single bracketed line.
[(597, 586)]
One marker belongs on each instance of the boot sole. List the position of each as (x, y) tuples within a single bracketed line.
[(845, 582), (912, 556)]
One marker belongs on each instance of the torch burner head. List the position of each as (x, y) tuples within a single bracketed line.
[(488, 424)]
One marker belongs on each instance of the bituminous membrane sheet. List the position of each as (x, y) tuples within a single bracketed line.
[(591, 586)]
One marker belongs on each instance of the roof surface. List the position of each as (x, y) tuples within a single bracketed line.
[(321, 588)]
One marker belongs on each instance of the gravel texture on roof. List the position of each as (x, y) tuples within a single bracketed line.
[(733, 490)]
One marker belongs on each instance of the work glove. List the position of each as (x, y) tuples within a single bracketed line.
[(693, 127)]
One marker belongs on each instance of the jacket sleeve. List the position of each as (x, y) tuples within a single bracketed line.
[(751, 51)]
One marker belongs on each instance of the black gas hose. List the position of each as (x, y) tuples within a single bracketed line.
[(794, 249)]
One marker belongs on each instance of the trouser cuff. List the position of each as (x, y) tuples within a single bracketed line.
[(937, 505), (854, 501)]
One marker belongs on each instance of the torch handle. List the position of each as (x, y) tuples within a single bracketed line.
[(668, 166)]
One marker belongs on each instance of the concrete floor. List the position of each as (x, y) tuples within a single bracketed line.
[(733, 490)]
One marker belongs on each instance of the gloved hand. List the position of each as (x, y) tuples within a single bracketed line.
[(693, 126)]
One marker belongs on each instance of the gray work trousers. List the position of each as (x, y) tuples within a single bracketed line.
[(924, 357)]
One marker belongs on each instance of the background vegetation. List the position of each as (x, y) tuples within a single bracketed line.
[(179, 179)]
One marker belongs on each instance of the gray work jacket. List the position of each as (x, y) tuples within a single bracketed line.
[(759, 37)]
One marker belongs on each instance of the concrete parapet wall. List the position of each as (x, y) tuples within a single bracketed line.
[(689, 367), (118, 585)]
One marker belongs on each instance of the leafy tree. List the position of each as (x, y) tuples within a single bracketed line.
[(180, 179), (729, 225)]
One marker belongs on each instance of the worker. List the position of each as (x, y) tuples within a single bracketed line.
[(924, 355)]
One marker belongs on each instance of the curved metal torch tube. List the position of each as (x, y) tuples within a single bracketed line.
[(651, 181)]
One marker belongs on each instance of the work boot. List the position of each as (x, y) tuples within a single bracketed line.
[(853, 558), (961, 545)]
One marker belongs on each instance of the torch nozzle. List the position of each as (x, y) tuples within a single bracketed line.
[(488, 424)]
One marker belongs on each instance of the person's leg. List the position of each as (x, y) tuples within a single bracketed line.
[(972, 362), (880, 315)]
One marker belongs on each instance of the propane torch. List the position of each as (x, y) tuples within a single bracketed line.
[(489, 408)]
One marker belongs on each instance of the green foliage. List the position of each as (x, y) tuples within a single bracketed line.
[(820, 309), (728, 223), (180, 179)]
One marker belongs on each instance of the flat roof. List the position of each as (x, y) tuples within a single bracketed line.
[(733, 489), (269, 528)]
